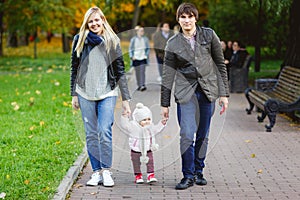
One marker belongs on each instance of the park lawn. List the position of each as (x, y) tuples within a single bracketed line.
[(41, 136), (269, 69)]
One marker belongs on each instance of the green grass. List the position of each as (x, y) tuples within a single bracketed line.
[(269, 69), (17, 64), (41, 136)]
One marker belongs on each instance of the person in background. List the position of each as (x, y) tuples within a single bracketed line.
[(229, 45), (194, 61), (238, 56), (226, 51), (97, 74), (142, 131), (139, 49), (227, 55), (160, 39)]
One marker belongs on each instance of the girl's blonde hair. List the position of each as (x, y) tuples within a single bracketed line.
[(110, 37)]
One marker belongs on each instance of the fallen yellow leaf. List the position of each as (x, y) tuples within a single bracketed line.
[(253, 155), (45, 189), (259, 171), (38, 92), (57, 142), (26, 182), (17, 107), (49, 71), (248, 141), (32, 128), (78, 185)]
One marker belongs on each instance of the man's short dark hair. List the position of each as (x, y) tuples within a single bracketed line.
[(186, 8)]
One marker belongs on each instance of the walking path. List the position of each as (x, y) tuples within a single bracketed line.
[(244, 162)]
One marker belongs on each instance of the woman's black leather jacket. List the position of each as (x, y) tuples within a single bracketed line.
[(115, 69)]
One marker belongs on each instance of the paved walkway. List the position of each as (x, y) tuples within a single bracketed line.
[(243, 162)]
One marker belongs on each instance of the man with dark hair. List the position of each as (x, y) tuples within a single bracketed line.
[(194, 61)]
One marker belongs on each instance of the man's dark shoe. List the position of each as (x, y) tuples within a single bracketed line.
[(200, 180), (143, 88), (184, 184)]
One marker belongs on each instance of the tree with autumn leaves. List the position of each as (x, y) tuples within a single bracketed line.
[(21, 19), (29, 18)]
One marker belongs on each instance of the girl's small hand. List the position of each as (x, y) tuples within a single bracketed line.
[(164, 121)]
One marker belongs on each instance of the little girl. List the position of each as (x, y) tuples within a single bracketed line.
[(142, 133)]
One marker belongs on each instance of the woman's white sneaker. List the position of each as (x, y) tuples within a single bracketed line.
[(95, 180), (107, 179)]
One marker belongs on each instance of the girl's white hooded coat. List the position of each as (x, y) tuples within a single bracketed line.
[(141, 139)]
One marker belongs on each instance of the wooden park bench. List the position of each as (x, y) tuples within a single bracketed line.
[(283, 97)]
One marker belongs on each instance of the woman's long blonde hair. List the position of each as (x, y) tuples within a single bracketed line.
[(110, 37)]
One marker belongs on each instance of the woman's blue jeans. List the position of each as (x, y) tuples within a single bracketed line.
[(194, 119), (98, 118)]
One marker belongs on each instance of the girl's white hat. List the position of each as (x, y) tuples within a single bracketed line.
[(141, 112)]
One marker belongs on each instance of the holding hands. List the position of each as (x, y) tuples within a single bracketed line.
[(126, 108)]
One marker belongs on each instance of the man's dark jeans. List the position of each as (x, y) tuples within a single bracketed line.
[(194, 117)]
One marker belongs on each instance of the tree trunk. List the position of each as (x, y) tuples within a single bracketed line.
[(65, 43), (35, 44), (12, 39), (258, 38), (1, 31), (292, 56), (137, 10)]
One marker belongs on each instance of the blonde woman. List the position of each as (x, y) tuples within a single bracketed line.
[(97, 73)]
